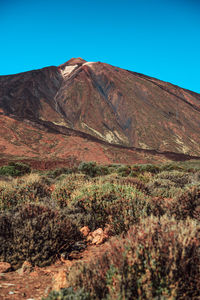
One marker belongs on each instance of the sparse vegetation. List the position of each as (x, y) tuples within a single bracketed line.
[(35, 233), (153, 212), (151, 261), (69, 294), (15, 169)]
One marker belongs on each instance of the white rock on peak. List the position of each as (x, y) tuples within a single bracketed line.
[(68, 70), (89, 63)]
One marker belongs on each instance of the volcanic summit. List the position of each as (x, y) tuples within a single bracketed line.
[(97, 104)]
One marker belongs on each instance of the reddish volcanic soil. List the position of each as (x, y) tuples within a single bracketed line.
[(39, 282), (45, 150)]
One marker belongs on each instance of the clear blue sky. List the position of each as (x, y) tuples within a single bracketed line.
[(160, 38)]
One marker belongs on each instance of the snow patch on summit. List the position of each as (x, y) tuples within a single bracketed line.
[(68, 70), (89, 63)]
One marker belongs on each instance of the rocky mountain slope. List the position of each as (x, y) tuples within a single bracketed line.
[(95, 103)]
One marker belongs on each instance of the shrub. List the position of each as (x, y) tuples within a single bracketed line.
[(170, 167), (149, 168), (23, 190), (62, 190), (137, 170), (68, 294), (9, 171), (124, 170), (57, 172), (179, 178), (158, 259), (190, 165), (15, 169), (88, 168), (36, 233), (163, 187), (135, 182), (187, 204), (110, 203), (160, 206), (92, 169)]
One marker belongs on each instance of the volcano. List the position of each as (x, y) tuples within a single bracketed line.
[(95, 111)]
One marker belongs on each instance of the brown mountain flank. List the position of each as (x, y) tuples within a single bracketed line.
[(95, 111)]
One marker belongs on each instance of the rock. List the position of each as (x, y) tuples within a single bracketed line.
[(26, 268), (59, 281), (97, 237), (11, 293), (4, 267), (85, 231)]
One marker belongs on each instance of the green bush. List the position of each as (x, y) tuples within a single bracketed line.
[(149, 168), (124, 170), (179, 178), (9, 171), (35, 233), (162, 187), (136, 170), (92, 169), (187, 204), (171, 167), (135, 182), (15, 169), (119, 205), (26, 192), (88, 168), (62, 190), (57, 172)]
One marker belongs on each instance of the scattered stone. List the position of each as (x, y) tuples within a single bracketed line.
[(8, 284), (85, 231), (26, 268), (4, 267), (59, 281), (97, 237), (11, 293)]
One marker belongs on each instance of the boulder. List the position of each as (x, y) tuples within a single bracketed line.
[(59, 280), (85, 231), (97, 237), (25, 269), (4, 267)]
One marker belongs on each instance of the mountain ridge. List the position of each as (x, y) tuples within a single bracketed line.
[(117, 106)]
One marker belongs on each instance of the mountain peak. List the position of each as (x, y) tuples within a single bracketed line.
[(110, 104), (74, 61)]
